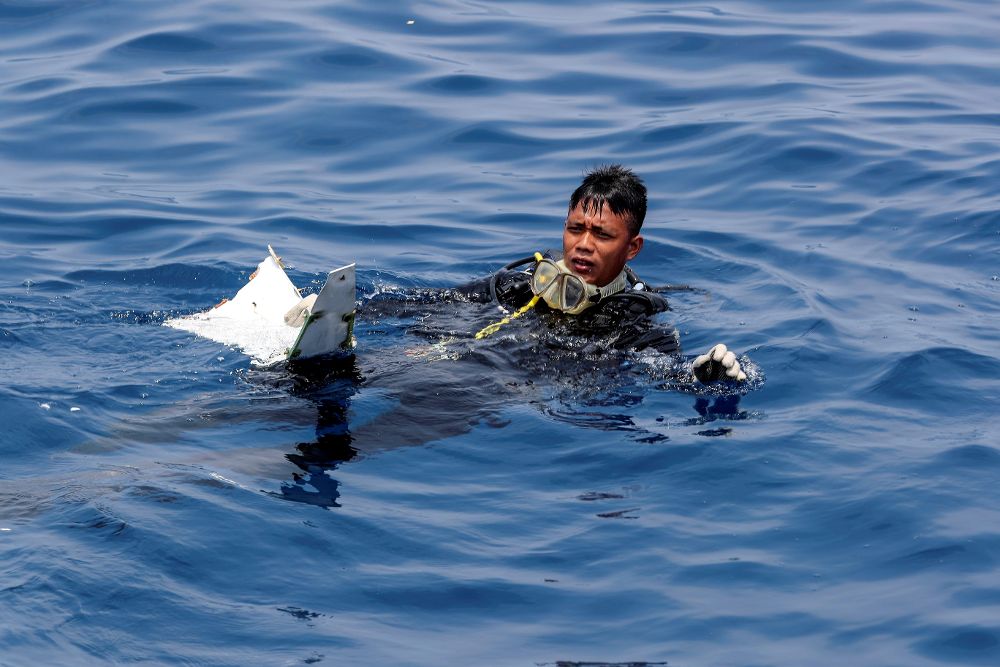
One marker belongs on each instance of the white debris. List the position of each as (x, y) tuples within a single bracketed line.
[(254, 319)]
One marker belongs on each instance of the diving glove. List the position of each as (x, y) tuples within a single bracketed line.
[(717, 364)]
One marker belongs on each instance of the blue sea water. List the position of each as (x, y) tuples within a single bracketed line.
[(824, 175)]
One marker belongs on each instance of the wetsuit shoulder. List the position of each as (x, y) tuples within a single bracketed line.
[(513, 288), (636, 303), (628, 319)]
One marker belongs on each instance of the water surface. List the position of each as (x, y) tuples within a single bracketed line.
[(825, 177)]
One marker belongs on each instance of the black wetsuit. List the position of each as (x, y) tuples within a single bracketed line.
[(622, 321)]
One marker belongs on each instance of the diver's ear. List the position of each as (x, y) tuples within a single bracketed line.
[(634, 246)]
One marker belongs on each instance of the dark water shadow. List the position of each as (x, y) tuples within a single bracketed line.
[(435, 398)]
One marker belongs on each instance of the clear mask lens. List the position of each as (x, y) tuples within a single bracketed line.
[(546, 277), (574, 292)]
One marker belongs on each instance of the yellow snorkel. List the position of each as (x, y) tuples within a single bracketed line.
[(493, 328)]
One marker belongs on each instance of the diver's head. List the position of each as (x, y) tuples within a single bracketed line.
[(602, 227)]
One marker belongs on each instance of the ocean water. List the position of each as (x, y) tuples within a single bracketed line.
[(824, 176)]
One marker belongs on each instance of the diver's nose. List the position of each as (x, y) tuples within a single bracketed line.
[(586, 241)]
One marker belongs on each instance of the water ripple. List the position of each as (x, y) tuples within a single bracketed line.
[(822, 181)]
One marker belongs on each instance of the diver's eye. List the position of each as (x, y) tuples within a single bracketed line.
[(575, 229)]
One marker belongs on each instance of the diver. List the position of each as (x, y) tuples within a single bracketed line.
[(588, 288), (592, 305)]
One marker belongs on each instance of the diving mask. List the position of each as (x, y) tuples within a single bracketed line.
[(564, 290)]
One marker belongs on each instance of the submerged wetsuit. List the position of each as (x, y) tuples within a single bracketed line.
[(622, 321)]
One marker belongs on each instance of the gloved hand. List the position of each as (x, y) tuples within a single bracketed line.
[(717, 364)]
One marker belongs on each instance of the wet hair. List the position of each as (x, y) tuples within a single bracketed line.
[(619, 188)]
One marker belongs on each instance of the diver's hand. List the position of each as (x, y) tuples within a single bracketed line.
[(717, 364)]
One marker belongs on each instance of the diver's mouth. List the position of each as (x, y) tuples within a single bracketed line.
[(581, 266)]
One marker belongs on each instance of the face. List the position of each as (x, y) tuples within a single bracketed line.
[(596, 244)]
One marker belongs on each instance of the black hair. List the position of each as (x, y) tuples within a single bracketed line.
[(619, 188)]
